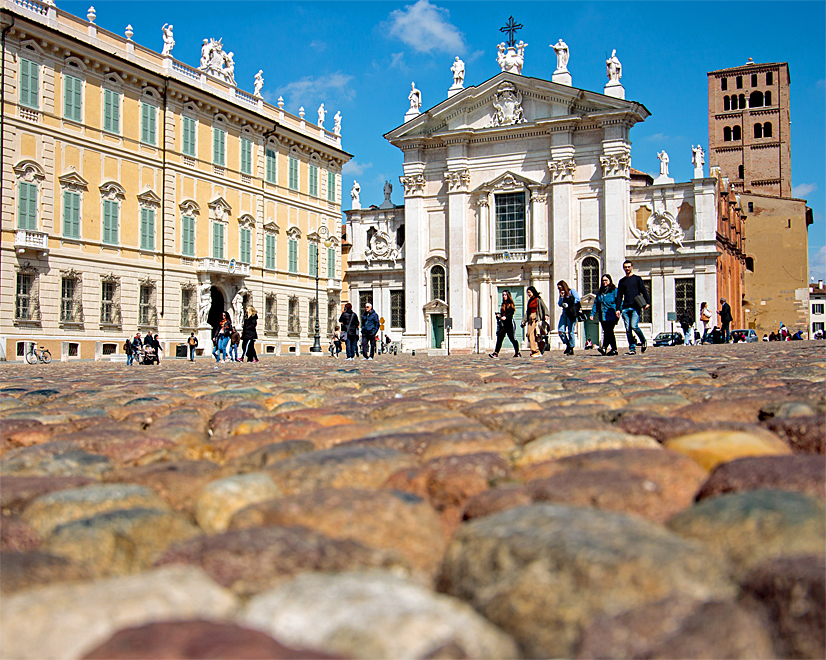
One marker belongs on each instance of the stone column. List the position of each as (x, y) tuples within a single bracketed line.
[(562, 238), (416, 242), (458, 254), (484, 224), (616, 205)]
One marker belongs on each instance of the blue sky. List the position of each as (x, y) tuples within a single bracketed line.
[(360, 58)]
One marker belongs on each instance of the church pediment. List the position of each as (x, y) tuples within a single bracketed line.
[(507, 182), (509, 101)]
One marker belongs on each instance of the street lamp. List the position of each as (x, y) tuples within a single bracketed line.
[(323, 232)]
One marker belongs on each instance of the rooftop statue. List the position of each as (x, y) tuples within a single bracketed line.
[(168, 40), (259, 83), (614, 67)]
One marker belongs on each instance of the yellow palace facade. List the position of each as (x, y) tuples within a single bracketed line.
[(142, 194)]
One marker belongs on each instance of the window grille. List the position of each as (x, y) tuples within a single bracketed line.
[(293, 322), (437, 284), (397, 319), (270, 314), (590, 276), (510, 221)]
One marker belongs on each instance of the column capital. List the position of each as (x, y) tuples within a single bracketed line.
[(616, 165), (562, 170), (457, 180), (413, 185)]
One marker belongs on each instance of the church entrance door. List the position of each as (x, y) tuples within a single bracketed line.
[(217, 309), (437, 334)]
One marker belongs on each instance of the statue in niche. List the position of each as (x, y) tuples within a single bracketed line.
[(562, 54), (507, 106), (511, 58), (614, 67), (337, 123), (238, 306), (458, 70), (204, 302), (322, 114), (663, 158), (259, 83), (168, 40), (415, 98)]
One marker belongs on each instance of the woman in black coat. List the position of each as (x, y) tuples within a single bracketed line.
[(249, 334), (350, 330)]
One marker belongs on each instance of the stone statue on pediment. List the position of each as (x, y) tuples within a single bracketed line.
[(458, 70), (322, 115), (562, 54), (259, 83), (216, 62), (511, 58), (614, 67), (337, 124), (168, 40), (415, 98), (698, 158), (355, 192)]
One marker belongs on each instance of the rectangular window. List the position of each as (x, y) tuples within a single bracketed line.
[(647, 314), (331, 186), (219, 147), (29, 83), (67, 299), (71, 214), (739, 82), (754, 80), (314, 180), (313, 249), (270, 166), (188, 146), (27, 206), (147, 229), (293, 174), (244, 249), (723, 84), (72, 99), (110, 222), (146, 305), (218, 240), (189, 310), (817, 327), (293, 254), (364, 298), (397, 309), (769, 78), (817, 309), (111, 111), (683, 296), (331, 262), (188, 236), (246, 156), (510, 221), (270, 316), (23, 302), (108, 310), (149, 115), (269, 252)]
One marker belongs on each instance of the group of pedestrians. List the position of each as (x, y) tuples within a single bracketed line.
[(145, 350), (226, 339), (348, 332)]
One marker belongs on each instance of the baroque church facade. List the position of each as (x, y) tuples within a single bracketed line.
[(522, 181)]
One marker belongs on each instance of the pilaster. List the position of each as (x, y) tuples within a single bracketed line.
[(458, 252)]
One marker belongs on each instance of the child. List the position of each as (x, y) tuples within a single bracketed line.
[(234, 340)]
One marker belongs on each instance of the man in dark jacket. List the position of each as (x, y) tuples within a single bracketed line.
[(629, 306), (725, 320), (350, 330), (369, 330)]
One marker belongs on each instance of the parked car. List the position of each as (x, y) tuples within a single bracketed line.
[(747, 336), (668, 339)]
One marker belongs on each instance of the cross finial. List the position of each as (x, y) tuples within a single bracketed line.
[(510, 29)]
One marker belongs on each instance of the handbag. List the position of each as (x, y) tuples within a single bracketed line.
[(640, 301)]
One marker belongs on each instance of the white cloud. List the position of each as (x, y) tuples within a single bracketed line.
[(354, 168), (660, 137), (425, 27), (803, 189), (397, 60), (309, 92)]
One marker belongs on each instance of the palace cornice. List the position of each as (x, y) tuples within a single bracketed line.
[(769, 145), (747, 68)]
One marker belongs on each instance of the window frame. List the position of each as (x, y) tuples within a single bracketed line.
[(68, 222), (185, 220), (269, 251), (26, 206), (293, 182), (590, 263), (271, 166), (292, 251), (313, 180), (73, 110), (147, 229), (504, 241), (331, 263), (437, 287), (219, 146), (246, 156), (331, 187), (25, 91), (244, 245), (149, 124), (397, 309), (113, 100), (26, 296), (110, 204), (218, 247), (189, 125), (312, 259)]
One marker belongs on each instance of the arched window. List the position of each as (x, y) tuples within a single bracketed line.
[(736, 133), (767, 129), (590, 276), (727, 134), (742, 101), (756, 100), (437, 283), (758, 130), (767, 98), (726, 103)]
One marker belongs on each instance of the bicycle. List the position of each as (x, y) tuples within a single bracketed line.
[(34, 356)]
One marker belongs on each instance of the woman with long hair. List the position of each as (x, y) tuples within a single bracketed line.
[(350, 330), (605, 311), (705, 317), (221, 338), (249, 334), (504, 325), (537, 313), (569, 302)]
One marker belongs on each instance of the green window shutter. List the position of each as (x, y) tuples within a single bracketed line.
[(23, 205), (78, 94), (110, 222), (67, 214), (147, 229), (219, 147), (331, 187), (71, 98), (75, 214), (29, 83), (188, 240), (244, 246), (293, 174), (246, 156), (148, 117), (293, 256), (25, 82), (115, 112), (188, 137), (313, 259), (111, 111), (331, 262), (32, 206), (217, 240), (314, 180), (269, 249), (270, 173)]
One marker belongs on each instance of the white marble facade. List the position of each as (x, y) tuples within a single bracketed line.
[(516, 182)]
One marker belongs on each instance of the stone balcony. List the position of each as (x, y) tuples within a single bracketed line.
[(222, 266), (34, 241), (333, 285)]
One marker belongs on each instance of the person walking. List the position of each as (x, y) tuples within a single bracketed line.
[(569, 301), (129, 350), (632, 298), (234, 341), (137, 347), (705, 318), (537, 313), (686, 322), (149, 343), (192, 342), (221, 338), (505, 326), (335, 342), (369, 330), (605, 311), (350, 329), (725, 320), (249, 334)]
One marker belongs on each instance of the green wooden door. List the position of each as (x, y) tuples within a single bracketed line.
[(437, 335)]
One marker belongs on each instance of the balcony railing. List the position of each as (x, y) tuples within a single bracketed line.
[(228, 267), (26, 239), (333, 284)]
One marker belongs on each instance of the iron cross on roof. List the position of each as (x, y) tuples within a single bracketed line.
[(511, 29)]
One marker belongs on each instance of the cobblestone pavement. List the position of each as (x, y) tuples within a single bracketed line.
[(669, 504)]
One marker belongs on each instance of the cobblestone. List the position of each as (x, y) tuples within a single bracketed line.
[(397, 464)]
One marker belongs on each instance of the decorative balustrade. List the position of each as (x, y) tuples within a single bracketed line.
[(26, 239), (41, 8), (333, 284), (228, 267), (185, 70)]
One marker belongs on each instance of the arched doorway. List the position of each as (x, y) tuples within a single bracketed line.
[(217, 309)]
